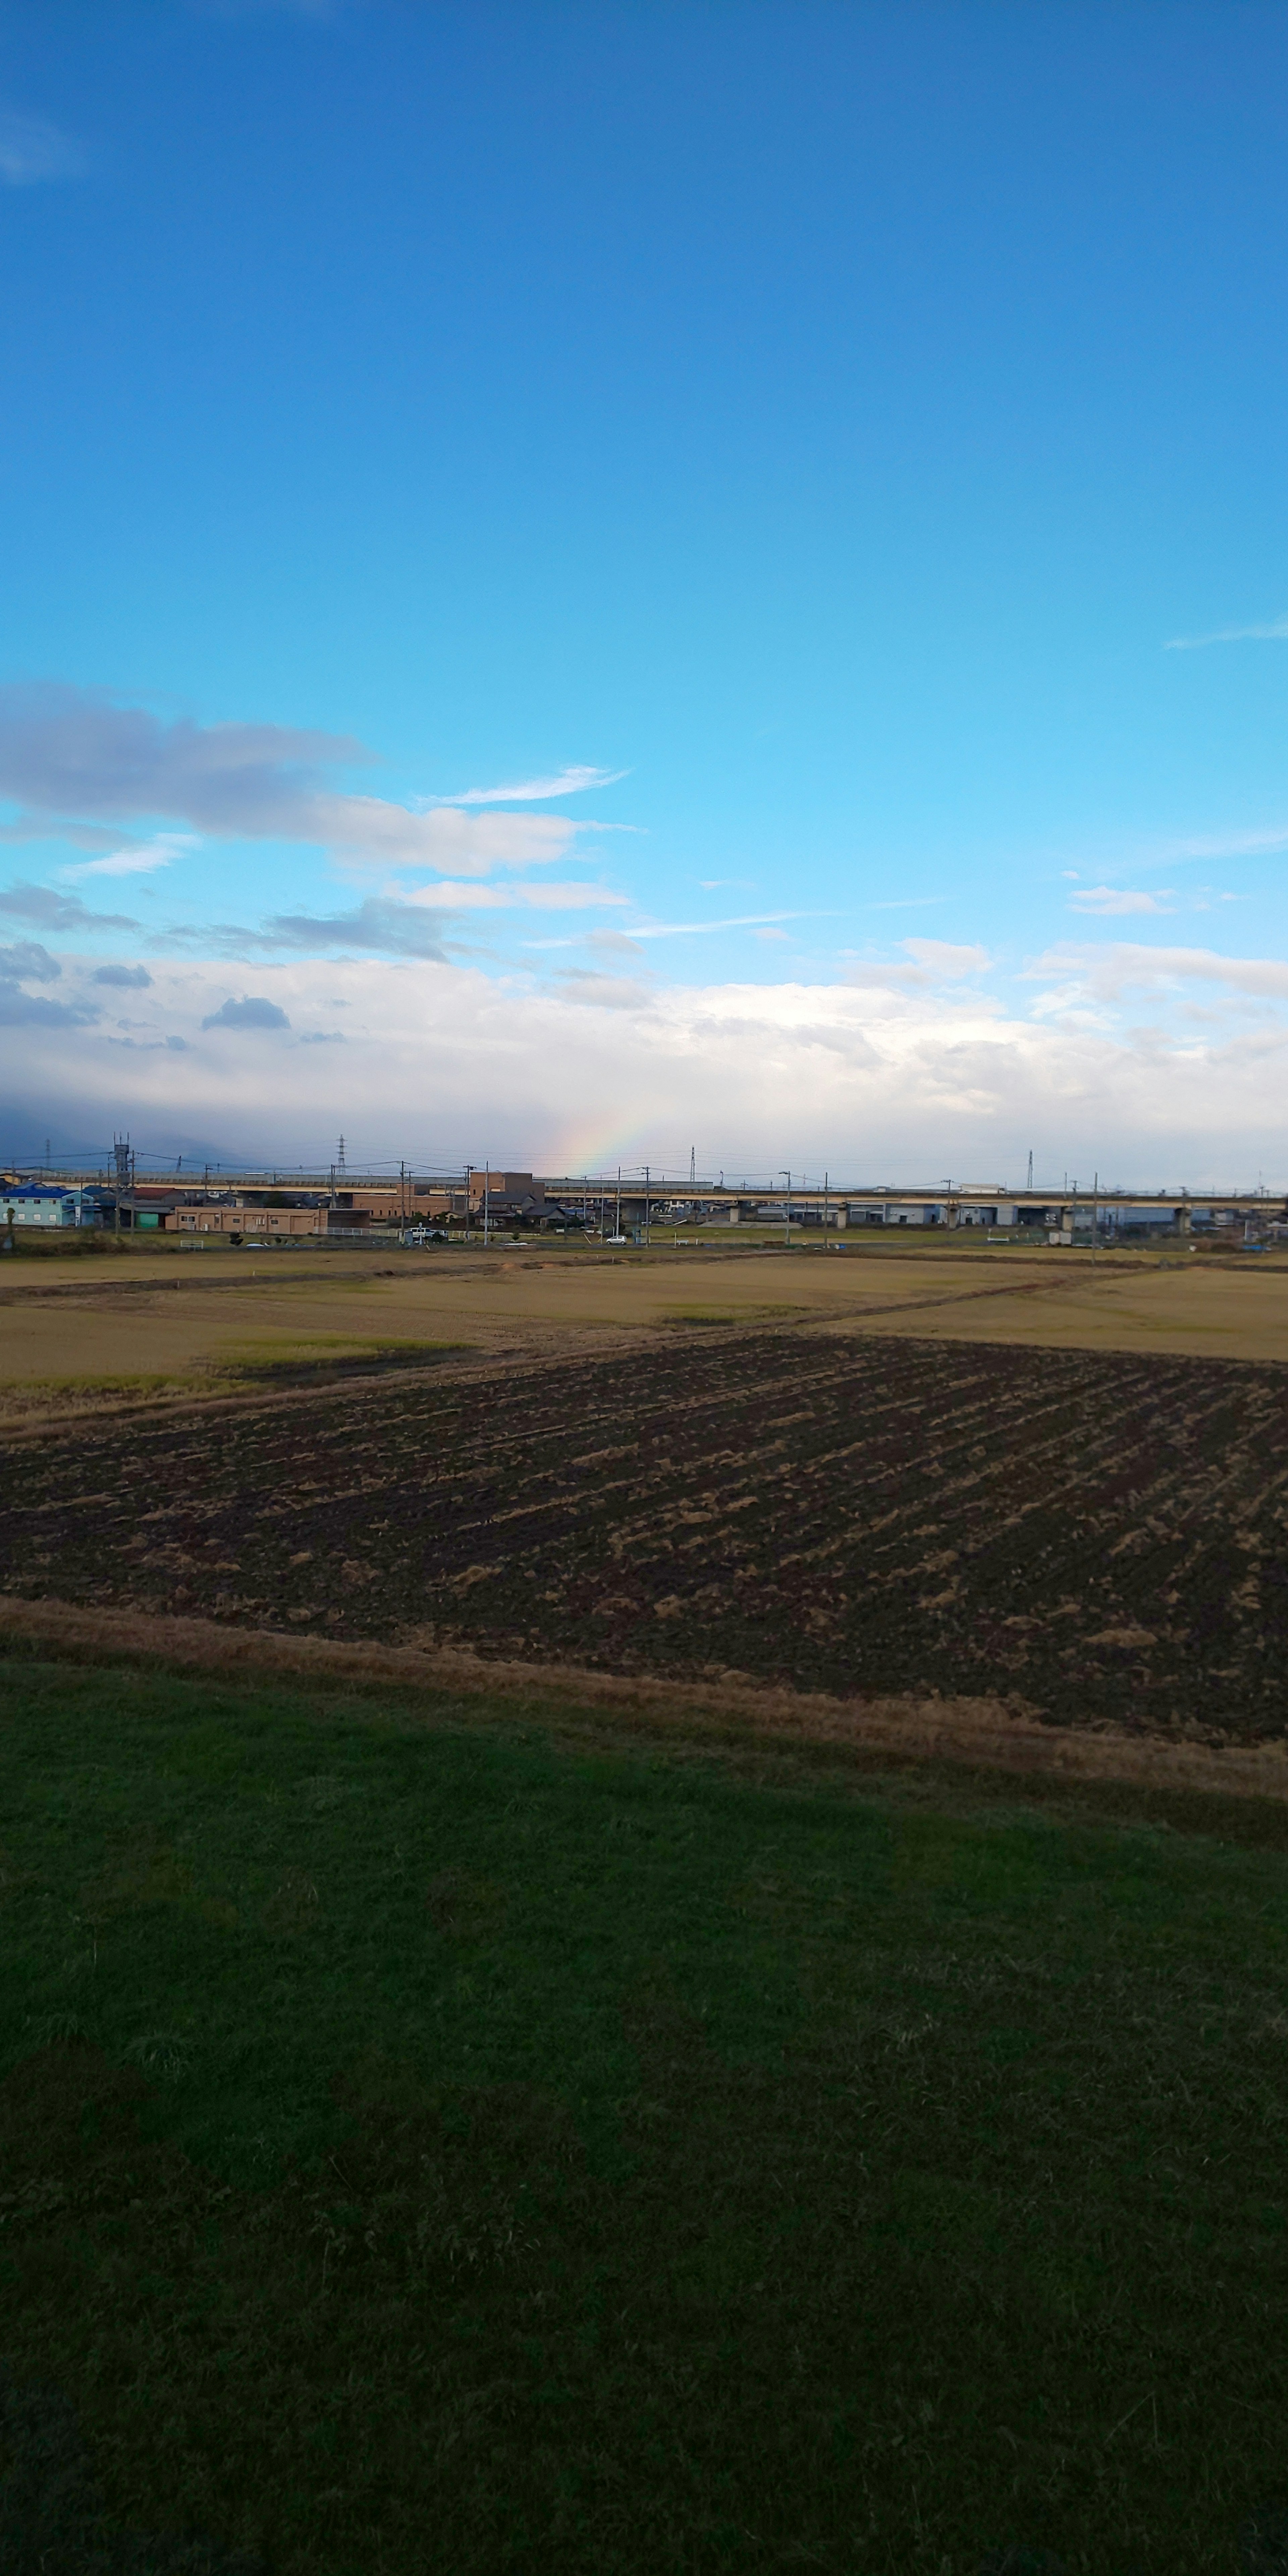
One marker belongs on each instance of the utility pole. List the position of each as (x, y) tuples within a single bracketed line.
[(617, 1221), (787, 1212), (487, 1204), (1095, 1215), (647, 1235), (1030, 1171), (693, 1168), (469, 1175), (826, 1212)]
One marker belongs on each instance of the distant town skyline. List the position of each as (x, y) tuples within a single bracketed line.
[(593, 584)]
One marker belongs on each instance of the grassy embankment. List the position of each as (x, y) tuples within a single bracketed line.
[(430, 2138)]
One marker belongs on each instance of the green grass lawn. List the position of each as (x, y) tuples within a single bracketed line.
[(431, 2143)]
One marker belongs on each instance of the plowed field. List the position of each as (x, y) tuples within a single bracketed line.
[(1103, 1536)]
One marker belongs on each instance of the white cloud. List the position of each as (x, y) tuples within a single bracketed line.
[(687, 929), (942, 957), (612, 943), (566, 898), (1274, 632), (530, 791), (780, 1073), (1119, 967), (1119, 899), (136, 862), (73, 760), (692, 929), (591, 991), (576, 896), (366, 831)]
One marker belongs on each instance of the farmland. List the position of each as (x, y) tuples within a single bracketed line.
[(1101, 1537), (534, 2094), (150, 1329)]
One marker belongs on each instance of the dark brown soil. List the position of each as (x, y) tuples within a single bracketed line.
[(1103, 1537)]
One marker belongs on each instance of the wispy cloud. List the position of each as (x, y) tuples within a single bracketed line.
[(948, 958), (138, 861), (1112, 970), (380, 927), (1275, 631), (739, 921), (575, 896), (1147, 857), (1229, 845), (694, 929), (531, 791), (31, 149), (1119, 899)]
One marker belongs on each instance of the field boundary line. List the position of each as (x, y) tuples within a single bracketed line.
[(986, 1731), (920, 1305)]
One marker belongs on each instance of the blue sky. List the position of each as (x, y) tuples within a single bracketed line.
[(824, 464)]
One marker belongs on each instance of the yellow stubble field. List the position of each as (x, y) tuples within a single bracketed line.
[(160, 1326)]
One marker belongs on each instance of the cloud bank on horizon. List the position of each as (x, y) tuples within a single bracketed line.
[(909, 1070), (935, 1048)]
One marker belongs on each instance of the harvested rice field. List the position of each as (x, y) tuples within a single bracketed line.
[(1103, 1538), (161, 1327)]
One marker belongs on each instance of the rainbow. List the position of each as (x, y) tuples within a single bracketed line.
[(598, 1148)]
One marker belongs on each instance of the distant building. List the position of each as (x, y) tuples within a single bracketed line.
[(509, 1196), (38, 1203)]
